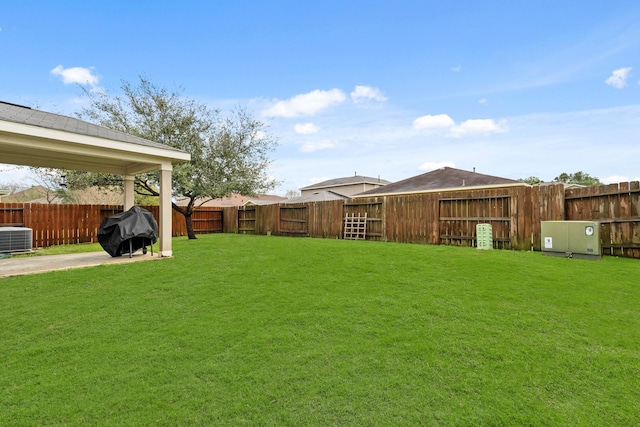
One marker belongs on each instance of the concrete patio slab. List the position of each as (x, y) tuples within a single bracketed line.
[(19, 266)]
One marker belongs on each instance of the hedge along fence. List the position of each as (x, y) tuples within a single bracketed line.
[(71, 224)]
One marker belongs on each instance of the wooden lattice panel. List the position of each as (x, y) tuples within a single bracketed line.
[(355, 227)]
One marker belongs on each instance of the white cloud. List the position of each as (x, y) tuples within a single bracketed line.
[(306, 104), (456, 69), (306, 128), (310, 147), (383, 142), (477, 127), (614, 179), (618, 78), (618, 178), (467, 128), (433, 122), (12, 173), (365, 93), (79, 75), (430, 166), (483, 101)]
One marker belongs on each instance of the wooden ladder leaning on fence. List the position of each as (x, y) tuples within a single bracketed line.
[(355, 227)]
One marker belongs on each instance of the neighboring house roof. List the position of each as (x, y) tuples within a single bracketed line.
[(317, 196), (34, 194), (567, 186), (441, 179), (350, 180), (267, 201), (235, 200), (88, 196)]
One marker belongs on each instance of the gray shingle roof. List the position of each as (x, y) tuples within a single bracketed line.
[(350, 180), (318, 196), (440, 179), (28, 116)]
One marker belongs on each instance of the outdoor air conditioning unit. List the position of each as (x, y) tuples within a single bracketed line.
[(572, 239), (15, 239)]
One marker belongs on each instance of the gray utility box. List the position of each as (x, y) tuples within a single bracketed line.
[(572, 239)]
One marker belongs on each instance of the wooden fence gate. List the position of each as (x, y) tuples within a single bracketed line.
[(294, 220), (458, 218), (247, 220)]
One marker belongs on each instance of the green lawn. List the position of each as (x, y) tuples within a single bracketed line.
[(257, 330)]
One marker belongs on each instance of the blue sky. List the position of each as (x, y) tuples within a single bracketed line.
[(378, 88)]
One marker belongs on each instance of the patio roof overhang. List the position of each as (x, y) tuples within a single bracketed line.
[(27, 145), (36, 138)]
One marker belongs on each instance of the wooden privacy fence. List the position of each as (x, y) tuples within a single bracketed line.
[(431, 218), (55, 224), (515, 214), (446, 217), (617, 208), (314, 219)]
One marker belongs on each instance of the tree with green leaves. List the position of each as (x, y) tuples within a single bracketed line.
[(229, 154), (579, 178), (532, 180)]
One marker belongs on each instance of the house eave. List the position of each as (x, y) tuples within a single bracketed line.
[(41, 133), (42, 147), (343, 184), (442, 190)]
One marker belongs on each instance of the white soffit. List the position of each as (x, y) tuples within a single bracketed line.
[(28, 145)]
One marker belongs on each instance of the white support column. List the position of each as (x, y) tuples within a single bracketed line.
[(129, 193), (165, 230)]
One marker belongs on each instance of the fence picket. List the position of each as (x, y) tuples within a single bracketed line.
[(433, 218)]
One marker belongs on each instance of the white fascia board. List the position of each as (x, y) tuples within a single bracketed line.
[(36, 136)]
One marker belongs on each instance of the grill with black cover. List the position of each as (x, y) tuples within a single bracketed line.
[(128, 231)]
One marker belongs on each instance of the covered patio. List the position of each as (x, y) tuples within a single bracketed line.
[(30, 137), (20, 265)]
